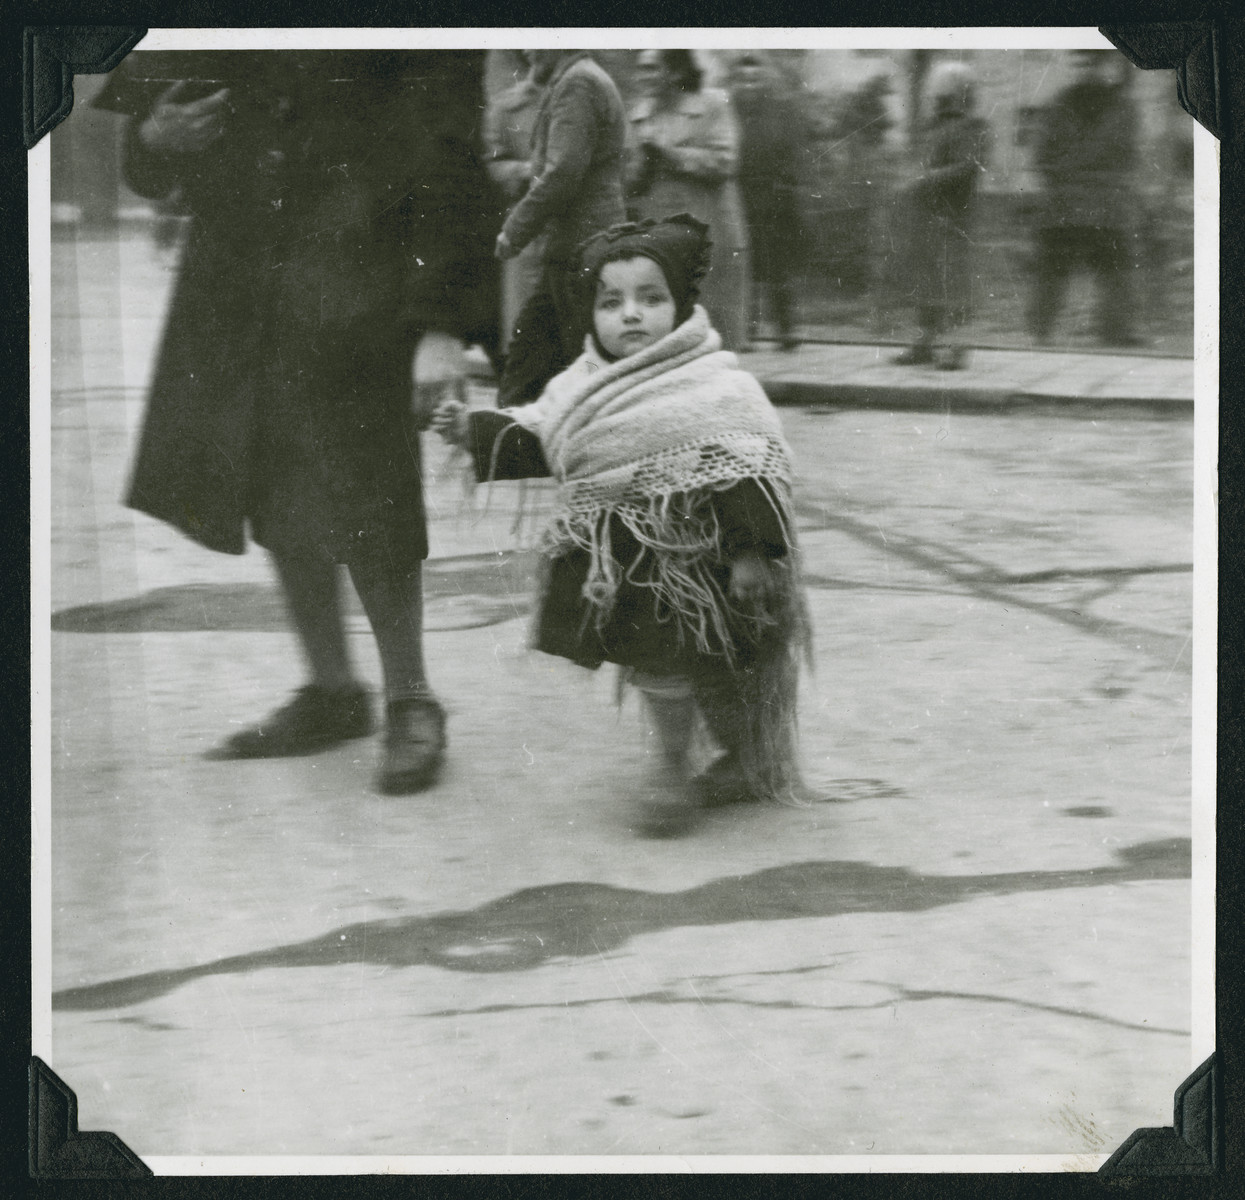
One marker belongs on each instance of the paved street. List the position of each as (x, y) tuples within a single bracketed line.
[(975, 941)]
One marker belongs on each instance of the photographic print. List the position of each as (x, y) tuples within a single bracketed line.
[(624, 599)]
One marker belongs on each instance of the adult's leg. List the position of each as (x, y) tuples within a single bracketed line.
[(952, 353), (1054, 252), (392, 597), (535, 349), (312, 598), (547, 337), (1107, 253), (929, 322), (566, 289), (332, 707), (752, 198), (928, 269), (784, 234)]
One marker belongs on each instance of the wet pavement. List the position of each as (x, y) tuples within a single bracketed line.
[(975, 941)]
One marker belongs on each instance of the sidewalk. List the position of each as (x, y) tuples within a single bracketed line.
[(1062, 382), (847, 376)]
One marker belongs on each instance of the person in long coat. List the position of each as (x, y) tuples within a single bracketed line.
[(684, 157), (576, 190), (509, 123), (773, 140), (1086, 155), (942, 208), (337, 258)]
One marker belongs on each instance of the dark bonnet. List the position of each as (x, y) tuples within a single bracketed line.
[(679, 245)]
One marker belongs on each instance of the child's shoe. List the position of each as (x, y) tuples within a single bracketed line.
[(723, 782), (668, 808)]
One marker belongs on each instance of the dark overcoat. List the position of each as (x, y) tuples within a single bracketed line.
[(577, 162), (1087, 149), (343, 213)]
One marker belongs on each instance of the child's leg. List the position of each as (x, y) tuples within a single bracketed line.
[(721, 702), (752, 715), (671, 712)]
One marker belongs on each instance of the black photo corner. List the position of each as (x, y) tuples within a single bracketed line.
[(1201, 47)]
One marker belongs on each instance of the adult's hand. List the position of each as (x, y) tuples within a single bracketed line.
[(439, 373), (178, 126), (450, 421)]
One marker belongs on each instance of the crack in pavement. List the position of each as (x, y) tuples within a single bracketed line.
[(532, 926), (987, 582), (901, 995)]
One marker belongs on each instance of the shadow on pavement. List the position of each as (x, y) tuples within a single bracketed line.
[(573, 920), (460, 593)]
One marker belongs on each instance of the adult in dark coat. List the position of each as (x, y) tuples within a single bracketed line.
[(509, 122), (772, 140), (576, 190), (337, 257), (1086, 155), (942, 204)]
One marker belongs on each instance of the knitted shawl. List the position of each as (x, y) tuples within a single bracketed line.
[(645, 439)]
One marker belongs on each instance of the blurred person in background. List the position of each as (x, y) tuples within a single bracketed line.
[(868, 164), (1085, 155), (509, 122), (576, 190), (941, 201), (337, 257), (772, 141), (684, 157)]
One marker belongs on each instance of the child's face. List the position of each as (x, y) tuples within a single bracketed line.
[(633, 307)]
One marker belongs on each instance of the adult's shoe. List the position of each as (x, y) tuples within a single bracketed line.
[(414, 747), (914, 356), (1122, 341), (953, 358), (315, 719)]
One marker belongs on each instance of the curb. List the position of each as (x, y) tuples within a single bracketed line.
[(872, 397)]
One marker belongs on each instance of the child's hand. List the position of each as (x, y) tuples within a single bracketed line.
[(449, 419), (752, 583)]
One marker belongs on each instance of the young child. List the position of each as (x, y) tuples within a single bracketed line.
[(672, 552)]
